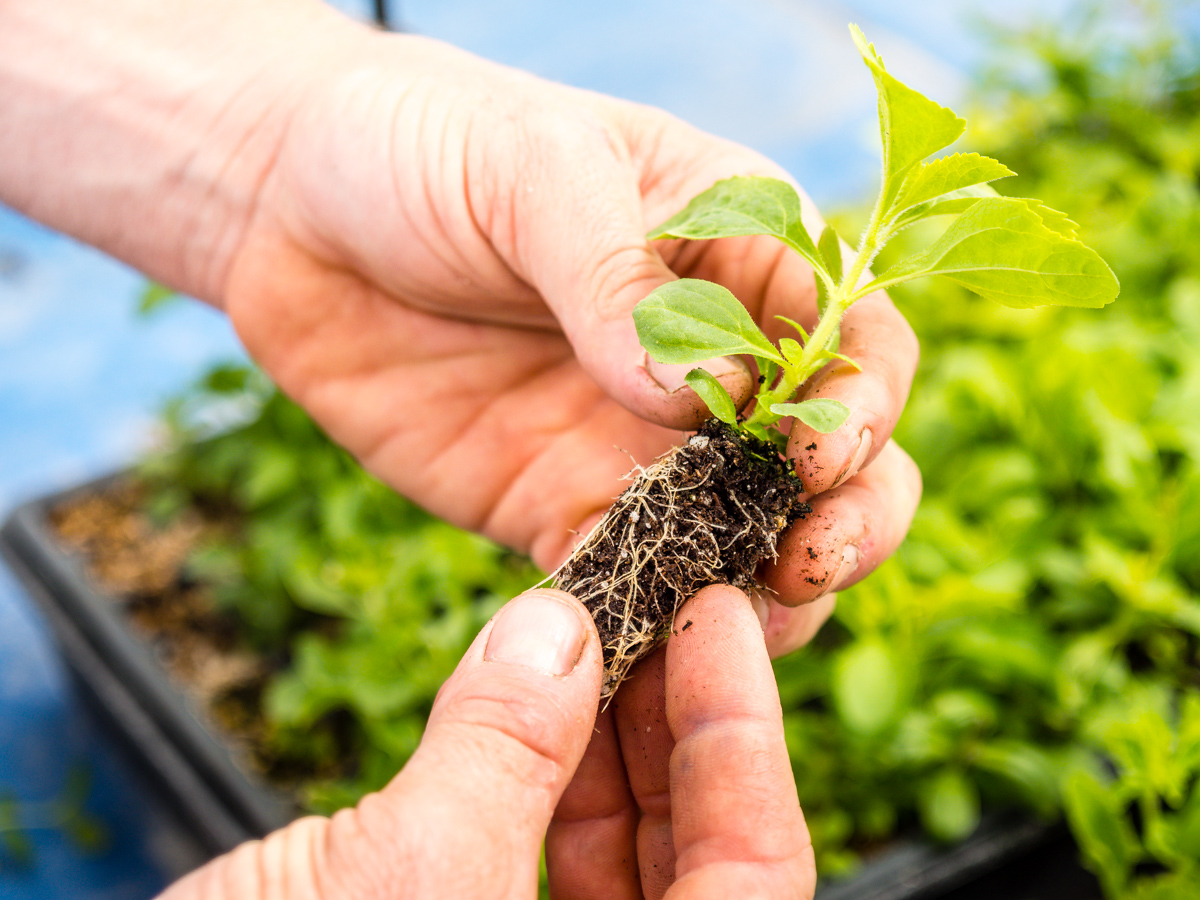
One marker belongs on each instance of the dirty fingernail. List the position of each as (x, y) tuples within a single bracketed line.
[(537, 631), (672, 378), (762, 607), (860, 456), (849, 564)]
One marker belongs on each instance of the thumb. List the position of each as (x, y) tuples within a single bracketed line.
[(586, 253), (468, 814)]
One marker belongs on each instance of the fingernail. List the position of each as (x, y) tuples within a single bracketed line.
[(539, 632), (860, 456), (762, 607), (849, 564), (672, 378)]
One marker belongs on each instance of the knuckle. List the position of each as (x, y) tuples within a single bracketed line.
[(621, 276), (514, 731)]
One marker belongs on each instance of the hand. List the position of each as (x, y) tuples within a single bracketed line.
[(466, 817), (437, 256), (442, 271)]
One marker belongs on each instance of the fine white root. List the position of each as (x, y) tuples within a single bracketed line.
[(668, 535)]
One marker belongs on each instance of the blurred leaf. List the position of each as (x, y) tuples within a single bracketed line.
[(867, 686), (949, 805)]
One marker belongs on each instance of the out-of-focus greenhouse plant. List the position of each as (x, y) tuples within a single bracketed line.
[(1034, 642)]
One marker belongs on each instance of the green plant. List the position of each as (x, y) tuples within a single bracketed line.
[(1019, 252), (1048, 594)]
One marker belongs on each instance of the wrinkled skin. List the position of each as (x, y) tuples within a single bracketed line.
[(437, 257)]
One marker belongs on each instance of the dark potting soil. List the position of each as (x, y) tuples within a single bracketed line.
[(708, 513)]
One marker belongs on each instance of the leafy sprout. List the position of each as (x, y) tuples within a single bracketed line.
[(1018, 252)]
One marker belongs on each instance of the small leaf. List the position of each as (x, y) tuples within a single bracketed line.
[(829, 356), (714, 395), (740, 206), (792, 351), (689, 321), (830, 246), (866, 686), (911, 126), (1001, 248), (946, 175), (797, 326), (822, 296), (822, 414), (153, 296), (767, 435), (949, 805)]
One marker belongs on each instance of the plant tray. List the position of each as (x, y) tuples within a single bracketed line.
[(224, 804)]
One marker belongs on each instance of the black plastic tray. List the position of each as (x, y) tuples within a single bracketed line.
[(194, 772), (225, 805)]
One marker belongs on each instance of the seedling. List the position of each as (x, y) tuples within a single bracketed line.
[(1016, 251), (712, 510)]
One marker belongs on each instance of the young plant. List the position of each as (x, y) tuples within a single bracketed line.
[(712, 510), (1016, 251)]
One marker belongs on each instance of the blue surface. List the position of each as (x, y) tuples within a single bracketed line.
[(81, 376)]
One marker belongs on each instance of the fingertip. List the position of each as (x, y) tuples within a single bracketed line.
[(660, 394), (790, 628), (545, 630), (883, 344)]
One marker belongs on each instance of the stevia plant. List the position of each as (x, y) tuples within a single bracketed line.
[(713, 510), (1018, 252)]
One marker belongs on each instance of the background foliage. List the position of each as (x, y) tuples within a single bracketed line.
[(1034, 642)]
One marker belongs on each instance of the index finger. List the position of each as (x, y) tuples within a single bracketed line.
[(736, 821)]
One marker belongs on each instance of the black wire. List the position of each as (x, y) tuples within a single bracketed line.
[(381, 13)]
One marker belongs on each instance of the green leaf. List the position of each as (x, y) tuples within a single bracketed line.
[(948, 205), (949, 805), (796, 325), (153, 296), (821, 414), (792, 351), (740, 206), (866, 686), (951, 207), (1106, 839), (911, 126), (1001, 248), (830, 247), (1054, 220), (1028, 767), (714, 395), (689, 320), (829, 356), (822, 296), (946, 175)]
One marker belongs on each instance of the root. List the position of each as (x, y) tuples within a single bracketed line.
[(695, 517)]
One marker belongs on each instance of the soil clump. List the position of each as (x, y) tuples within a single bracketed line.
[(707, 513)]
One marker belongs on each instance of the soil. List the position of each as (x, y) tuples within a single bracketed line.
[(707, 513), (140, 565)]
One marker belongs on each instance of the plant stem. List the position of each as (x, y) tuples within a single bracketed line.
[(822, 338)]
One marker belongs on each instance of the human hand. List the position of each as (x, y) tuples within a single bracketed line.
[(443, 269), (466, 816), (437, 256)]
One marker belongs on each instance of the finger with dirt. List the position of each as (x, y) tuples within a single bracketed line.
[(881, 341), (726, 703), (788, 628), (591, 845), (736, 823), (646, 746), (850, 531)]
